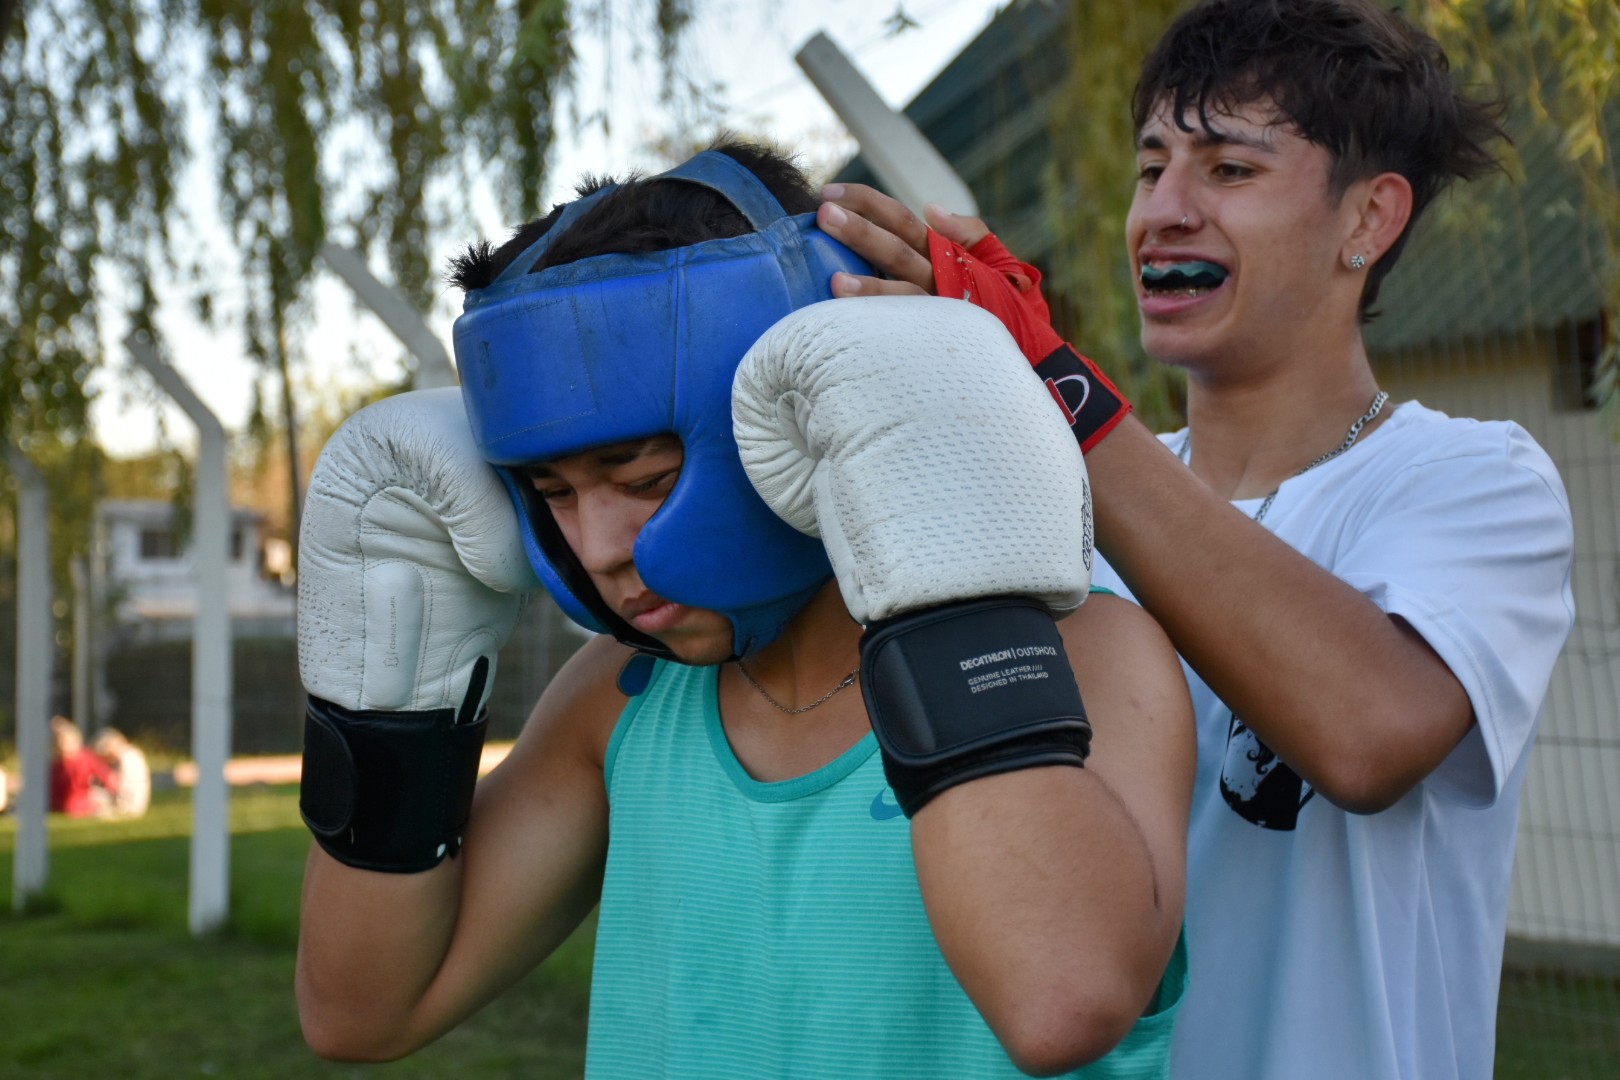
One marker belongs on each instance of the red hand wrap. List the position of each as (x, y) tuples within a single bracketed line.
[(991, 277)]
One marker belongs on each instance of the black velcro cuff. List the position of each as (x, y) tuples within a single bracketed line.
[(1090, 402), (970, 690), (389, 791)]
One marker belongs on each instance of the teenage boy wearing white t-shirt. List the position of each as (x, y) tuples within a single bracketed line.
[(1369, 598)]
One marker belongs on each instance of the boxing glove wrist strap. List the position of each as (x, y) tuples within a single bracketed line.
[(389, 791), (1091, 403), (969, 690)]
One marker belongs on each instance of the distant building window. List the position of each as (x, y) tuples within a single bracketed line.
[(159, 544)]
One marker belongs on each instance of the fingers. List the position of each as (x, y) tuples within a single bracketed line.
[(890, 237), (859, 285), (965, 230), (880, 230), (887, 214)]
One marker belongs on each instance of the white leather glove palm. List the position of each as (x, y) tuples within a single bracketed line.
[(911, 435), (411, 565)]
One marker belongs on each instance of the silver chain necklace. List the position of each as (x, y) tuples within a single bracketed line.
[(848, 681), (1350, 437)]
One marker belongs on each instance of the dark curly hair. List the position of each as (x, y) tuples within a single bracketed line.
[(1357, 80), (642, 215)]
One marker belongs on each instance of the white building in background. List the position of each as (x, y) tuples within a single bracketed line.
[(150, 586)]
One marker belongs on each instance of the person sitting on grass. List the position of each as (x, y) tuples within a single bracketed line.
[(133, 793), (82, 785)]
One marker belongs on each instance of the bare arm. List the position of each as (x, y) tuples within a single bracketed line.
[(1355, 701), (389, 962), (1056, 893)]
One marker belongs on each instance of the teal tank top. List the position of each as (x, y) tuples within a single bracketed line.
[(776, 930)]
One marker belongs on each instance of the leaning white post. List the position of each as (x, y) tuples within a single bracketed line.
[(35, 634), (433, 366), (210, 652), (900, 155)]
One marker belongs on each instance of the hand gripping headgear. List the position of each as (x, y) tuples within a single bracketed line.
[(620, 347)]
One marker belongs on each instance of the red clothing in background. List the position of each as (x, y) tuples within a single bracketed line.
[(73, 783)]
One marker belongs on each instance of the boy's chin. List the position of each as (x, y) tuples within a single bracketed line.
[(700, 650)]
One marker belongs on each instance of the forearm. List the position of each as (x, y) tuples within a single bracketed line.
[(389, 962), (369, 946), (1043, 895), (1355, 702)]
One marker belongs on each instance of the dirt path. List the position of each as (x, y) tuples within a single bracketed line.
[(287, 768)]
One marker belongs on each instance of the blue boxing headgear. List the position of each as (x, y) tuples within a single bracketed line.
[(619, 347)]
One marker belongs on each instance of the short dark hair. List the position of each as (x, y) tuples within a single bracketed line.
[(1361, 82), (642, 214)]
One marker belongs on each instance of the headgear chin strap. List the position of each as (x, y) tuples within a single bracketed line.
[(621, 347)]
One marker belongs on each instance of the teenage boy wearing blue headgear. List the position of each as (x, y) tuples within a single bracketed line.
[(965, 869)]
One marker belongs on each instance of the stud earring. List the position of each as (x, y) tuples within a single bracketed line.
[(1357, 261)]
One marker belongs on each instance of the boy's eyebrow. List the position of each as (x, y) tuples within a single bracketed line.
[(625, 453), (612, 456), (1202, 137)]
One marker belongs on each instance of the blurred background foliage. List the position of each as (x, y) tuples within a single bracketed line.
[(365, 115)]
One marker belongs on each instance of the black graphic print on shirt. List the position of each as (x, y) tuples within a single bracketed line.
[(1256, 784)]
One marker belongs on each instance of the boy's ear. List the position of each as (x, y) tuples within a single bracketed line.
[(1383, 206)]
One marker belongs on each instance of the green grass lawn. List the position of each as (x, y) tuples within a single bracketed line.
[(1557, 1027), (103, 979)]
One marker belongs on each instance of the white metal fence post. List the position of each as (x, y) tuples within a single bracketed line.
[(35, 652), (210, 652), (900, 155), (433, 366)]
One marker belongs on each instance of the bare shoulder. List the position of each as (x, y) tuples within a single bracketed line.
[(1112, 637), (581, 704), (1129, 674)]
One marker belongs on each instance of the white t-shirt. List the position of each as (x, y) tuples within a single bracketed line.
[(1323, 944), (134, 792)]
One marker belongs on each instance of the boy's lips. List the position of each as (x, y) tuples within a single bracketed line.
[(1163, 305), (652, 614)]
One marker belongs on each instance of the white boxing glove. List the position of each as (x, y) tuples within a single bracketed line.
[(911, 434), (411, 576)]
